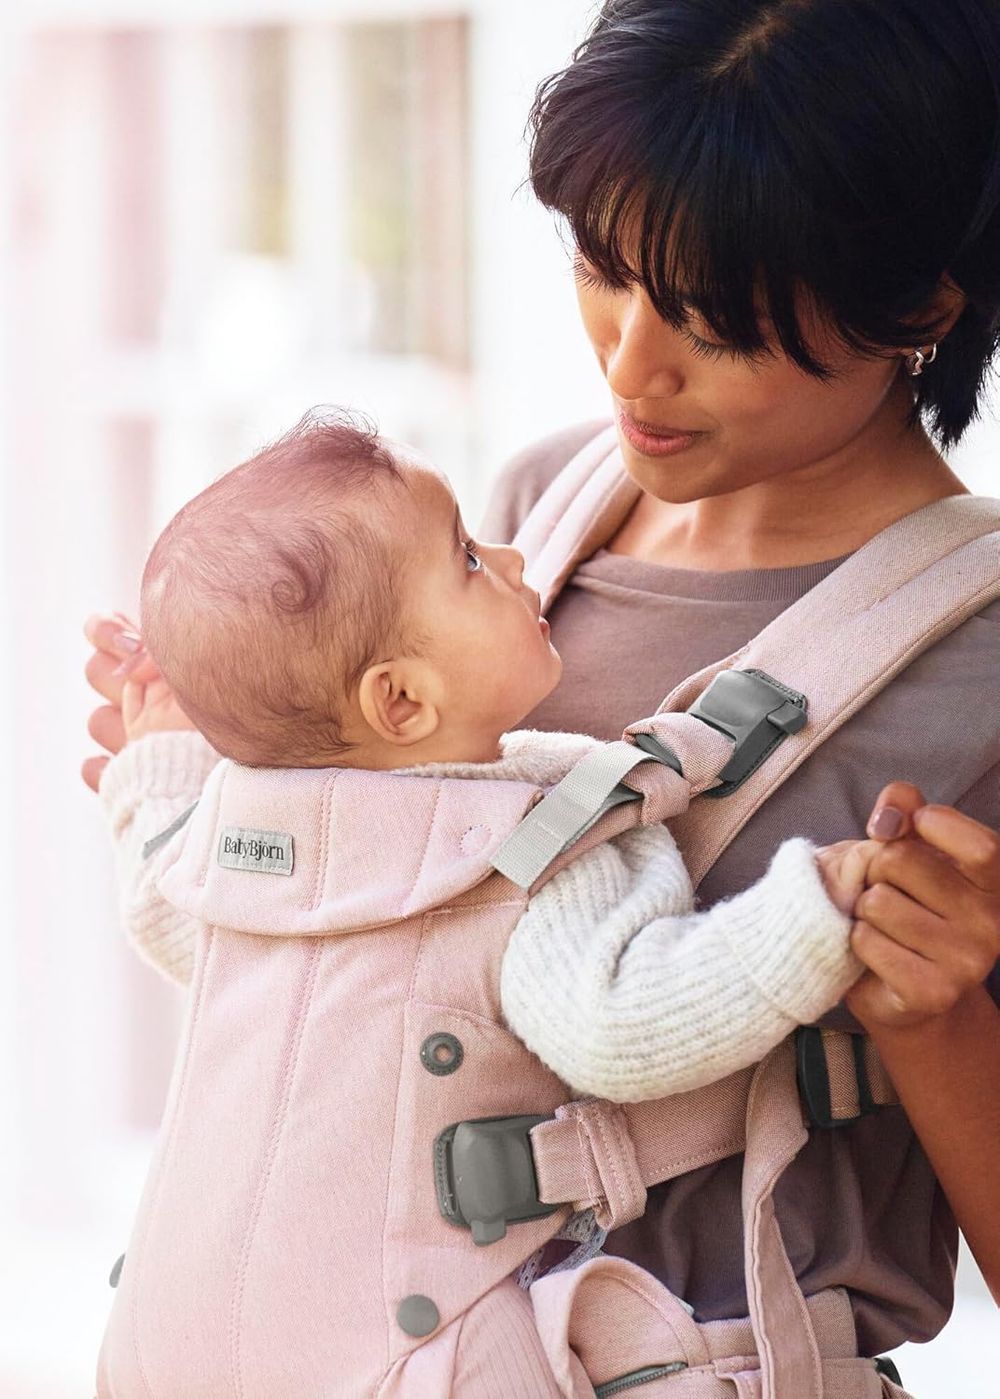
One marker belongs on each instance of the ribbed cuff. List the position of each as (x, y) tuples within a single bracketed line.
[(172, 764), (789, 937)]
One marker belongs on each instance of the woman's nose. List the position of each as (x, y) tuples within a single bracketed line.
[(644, 358)]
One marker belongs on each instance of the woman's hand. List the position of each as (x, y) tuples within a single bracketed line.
[(928, 926), (119, 657)]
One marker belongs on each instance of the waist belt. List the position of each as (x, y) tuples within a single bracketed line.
[(600, 1155)]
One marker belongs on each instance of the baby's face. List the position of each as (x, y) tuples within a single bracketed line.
[(470, 601)]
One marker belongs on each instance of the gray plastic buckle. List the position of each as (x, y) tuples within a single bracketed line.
[(756, 712), (484, 1175)]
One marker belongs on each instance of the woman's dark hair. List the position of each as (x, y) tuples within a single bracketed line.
[(730, 154)]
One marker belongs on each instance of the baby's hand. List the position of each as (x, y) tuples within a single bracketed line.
[(150, 707), (844, 868)]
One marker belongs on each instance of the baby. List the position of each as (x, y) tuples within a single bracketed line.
[(323, 607)]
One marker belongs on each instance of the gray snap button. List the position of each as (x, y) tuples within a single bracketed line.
[(441, 1053), (116, 1271), (417, 1315)]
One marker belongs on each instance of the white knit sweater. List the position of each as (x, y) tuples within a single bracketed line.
[(611, 977)]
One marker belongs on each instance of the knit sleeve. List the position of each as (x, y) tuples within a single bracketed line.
[(626, 992), (143, 789)]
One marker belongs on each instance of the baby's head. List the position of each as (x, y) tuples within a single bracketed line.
[(322, 604)]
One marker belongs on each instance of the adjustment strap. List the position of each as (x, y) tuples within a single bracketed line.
[(594, 1154), (593, 787), (154, 843)]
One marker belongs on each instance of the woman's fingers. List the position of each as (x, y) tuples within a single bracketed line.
[(899, 986), (894, 810), (974, 848), (103, 675), (960, 933), (106, 727), (116, 634), (91, 770), (920, 871), (107, 669)]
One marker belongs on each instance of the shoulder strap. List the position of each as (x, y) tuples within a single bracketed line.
[(846, 639), (839, 645), (581, 509)]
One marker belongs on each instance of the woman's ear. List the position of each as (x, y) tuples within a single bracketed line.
[(398, 701), (949, 303)]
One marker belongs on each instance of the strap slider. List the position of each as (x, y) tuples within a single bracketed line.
[(484, 1175), (756, 712)]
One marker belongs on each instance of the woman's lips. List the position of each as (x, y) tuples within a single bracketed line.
[(655, 441)]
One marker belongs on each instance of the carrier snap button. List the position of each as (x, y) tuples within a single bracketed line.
[(116, 1271), (441, 1053), (417, 1315)]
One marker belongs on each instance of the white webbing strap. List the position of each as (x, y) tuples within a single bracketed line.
[(591, 788)]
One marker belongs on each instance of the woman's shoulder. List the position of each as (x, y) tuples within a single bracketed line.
[(523, 479)]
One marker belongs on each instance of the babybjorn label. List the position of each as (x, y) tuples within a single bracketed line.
[(267, 852)]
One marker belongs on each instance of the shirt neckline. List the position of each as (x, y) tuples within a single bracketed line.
[(736, 585)]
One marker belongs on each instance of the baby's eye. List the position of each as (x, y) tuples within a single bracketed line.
[(472, 555)]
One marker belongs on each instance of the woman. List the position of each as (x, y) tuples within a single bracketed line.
[(787, 223)]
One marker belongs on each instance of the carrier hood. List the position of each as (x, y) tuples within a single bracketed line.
[(293, 851)]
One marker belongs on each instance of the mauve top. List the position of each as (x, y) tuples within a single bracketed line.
[(859, 1207)]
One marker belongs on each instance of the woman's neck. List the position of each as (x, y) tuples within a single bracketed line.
[(820, 512)]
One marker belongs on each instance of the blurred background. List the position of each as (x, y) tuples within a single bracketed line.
[(213, 214)]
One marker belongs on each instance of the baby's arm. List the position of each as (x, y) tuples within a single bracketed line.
[(143, 789), (623, 990)]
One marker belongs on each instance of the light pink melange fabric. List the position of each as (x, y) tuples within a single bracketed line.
[(325, 1027), (326, 1022), (282, 1226)]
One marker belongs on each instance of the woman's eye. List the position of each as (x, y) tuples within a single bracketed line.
[(707, 348), (710, 349), (588, 278), (473, 560)]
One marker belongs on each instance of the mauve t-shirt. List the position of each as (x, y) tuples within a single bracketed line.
[(859, 1207)]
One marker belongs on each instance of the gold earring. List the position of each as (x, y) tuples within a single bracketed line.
[(915, 363)]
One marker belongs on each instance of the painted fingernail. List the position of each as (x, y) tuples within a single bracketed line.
[(886, 824), (127, 666), (127, 641)]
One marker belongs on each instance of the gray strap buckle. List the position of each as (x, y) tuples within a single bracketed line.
[(484, 1175), (756, 712)]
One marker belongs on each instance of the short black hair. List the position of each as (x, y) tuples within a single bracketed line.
[(731, 154)]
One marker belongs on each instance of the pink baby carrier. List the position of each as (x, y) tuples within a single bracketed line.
[(357, 1155)]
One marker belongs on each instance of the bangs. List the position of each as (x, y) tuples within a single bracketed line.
[(700, 171), (699, 213)]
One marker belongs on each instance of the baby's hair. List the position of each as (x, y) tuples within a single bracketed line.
[(271, 564)]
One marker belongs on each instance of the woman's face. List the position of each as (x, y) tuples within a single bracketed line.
[(695, 420)]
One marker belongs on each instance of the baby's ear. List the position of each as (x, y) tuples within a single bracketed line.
[(397, 702)]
